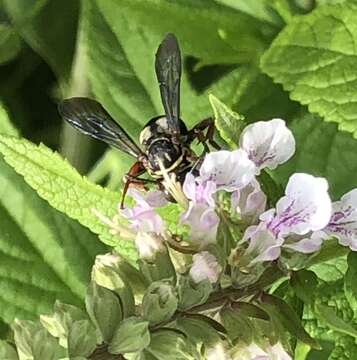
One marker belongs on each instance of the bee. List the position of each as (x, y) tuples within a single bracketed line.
[(165, 141)]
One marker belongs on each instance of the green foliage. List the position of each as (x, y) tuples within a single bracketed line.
[(132, 335), (316, 65), (228, 123), (322, 150), (50, 35), (44, 255), (350, 283), (331, 326), (114, 80), (106, 50), (10, 43), (286, 316), (57, 182)]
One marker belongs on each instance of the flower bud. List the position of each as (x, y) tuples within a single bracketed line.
[(158, 267), (205, 267), (33, 341), (106, 272), (148, 244), (59, 323), (191, 294), (159, 302)]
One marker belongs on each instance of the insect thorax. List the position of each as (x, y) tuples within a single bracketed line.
[(156, 140)]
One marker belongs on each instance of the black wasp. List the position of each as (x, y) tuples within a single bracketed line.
[(164, 140)]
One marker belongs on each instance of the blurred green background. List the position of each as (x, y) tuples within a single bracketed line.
[(105, 49)]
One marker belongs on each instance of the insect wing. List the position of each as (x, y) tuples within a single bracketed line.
[(168, 72), (89, 117)]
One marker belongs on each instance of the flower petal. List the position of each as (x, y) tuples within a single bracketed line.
[(229, 170), (263, 245), (268, 143), (205, 267), (249, 201), (308, 245), (203, 222), (148, 244), (142, 216), (305, 207), (343, 222), (199, 192)]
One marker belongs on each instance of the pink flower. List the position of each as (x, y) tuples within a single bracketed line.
[(142, 216), (200, 215)]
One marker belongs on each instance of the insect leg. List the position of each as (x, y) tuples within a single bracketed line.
[(132, 178), (197, 132)]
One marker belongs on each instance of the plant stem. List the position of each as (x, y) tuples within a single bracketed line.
[(101, 353)]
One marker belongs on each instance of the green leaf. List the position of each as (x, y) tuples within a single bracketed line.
[(7, 352), (104, 309), (34, 342), (322, 150), (6, 127), (280, 311), (44, 255), (113, 79), (64, 188), (81, 339), (135, 25), (132, 335), (228, 123), (314, 58), (350, 281), (198, 331), (335, 323), (249, 310), (59, 323), (336, 345), (259, 9), (169, 345), (304, 283), (331, 270), (10, 43), (239, 326), (49, 27)]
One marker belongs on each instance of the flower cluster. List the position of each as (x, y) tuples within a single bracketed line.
[(300, 221), (227, 194)]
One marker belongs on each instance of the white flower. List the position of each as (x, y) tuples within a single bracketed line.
[(268, 143), (200, 215), (249, 202), (148, 244), (305, 207), (229, 170), (205, 267), (142, 216), (263, 245), (343, 222)]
